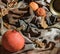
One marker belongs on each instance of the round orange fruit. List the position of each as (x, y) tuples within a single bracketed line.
[(13, 41), (34, 6)]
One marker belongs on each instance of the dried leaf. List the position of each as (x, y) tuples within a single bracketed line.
[(4, 11), (12, 3), (40, 43), (43, 23), (7, 25)]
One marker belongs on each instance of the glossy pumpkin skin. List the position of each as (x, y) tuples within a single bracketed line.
[(41, 12), (13, 41)]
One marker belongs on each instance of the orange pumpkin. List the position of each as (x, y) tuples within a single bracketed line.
[(13, 41), (41, 12), (34, 6)]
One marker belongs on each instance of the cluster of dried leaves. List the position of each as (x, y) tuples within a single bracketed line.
[(39, 32)]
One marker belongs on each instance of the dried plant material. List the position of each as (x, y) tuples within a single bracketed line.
[(17, 11), (20, 4), (32, 13), (43, 23), (23, 24), (34, 32), (7, 25), (50, 45), (57, 25), (4, 11), (34, 6), (3, 3), (28, 40), (51, 34), (20, 28), (31, 17), (41, 12), (40, 43), (12, 3)]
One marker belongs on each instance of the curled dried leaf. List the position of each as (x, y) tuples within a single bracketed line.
[(4, 11), (40, 43), (7, 25), (12, 3), (43, 23)]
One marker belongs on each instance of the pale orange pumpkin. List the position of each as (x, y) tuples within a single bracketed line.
[(34, 6)]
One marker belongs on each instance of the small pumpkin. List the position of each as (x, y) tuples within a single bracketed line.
[(41, 12), (34, 6), (13, 41)]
